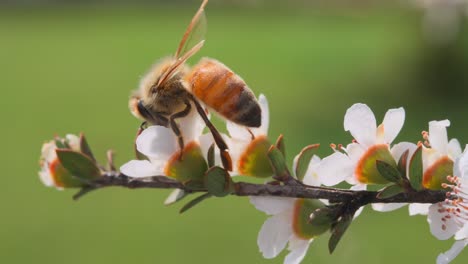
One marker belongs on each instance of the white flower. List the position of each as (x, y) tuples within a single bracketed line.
[(450, 218), (356, 164), (52, 173), (160, 145), (288, 223), (438, 160), (249, 146)]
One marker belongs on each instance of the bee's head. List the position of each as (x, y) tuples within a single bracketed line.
[(139, 110)]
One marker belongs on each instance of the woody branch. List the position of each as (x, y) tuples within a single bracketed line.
[(334, 195)]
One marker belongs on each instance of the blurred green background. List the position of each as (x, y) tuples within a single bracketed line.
[(68, 67)]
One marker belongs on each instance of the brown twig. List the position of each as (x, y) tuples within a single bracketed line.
[(334, 195)]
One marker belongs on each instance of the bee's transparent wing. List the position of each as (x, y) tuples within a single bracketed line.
[(172, 70), (195, 32)]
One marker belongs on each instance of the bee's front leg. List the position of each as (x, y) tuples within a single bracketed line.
[(176, 128)]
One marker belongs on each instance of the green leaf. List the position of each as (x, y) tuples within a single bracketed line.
[(302, 160), (84, 147), (390, 191), (403, 163), (416, 169), (78, 164), (211, 156), (388, 171), (61, 144), (194, 202), (278, 164), (338, 231), (218, 182), (175, 196), (280, 145)]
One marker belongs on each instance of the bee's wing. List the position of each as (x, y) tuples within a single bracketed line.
[(172, 70), (195, 32), (191, 43)]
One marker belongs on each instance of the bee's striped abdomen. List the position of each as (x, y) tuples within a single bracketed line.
[(225, 92)]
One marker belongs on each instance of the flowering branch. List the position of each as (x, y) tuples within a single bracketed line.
[(334, 195)]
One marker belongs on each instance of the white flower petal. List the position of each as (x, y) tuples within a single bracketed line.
[(46, 178), (274, 234), (462, 233), (191, 126), (73, 141), (438, 135), (441, 229), (157, 142), (398, 150), (48, 151), (335, 168), (358, 187), (454, 148), (263, 129), (174, 196), (418, 209), (393, 122), (355, 151), (238, 132), (461, 166), (272, 205), (141, 168), (298, 250), (360, 122), (452, 253), (311, 176), (387, 207)]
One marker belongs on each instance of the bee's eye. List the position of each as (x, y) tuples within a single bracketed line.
[(144, 111)]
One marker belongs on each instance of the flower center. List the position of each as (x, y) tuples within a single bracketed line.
[(366, 169), (436, 175), (254, 160), (192, 166), (61, 177), (301, 214)]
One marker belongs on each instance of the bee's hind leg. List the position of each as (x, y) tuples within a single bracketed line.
[(225, 157), (176, 128)]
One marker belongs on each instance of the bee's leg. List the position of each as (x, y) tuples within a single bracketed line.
[(225, 157), (176, 128), (143, 125)]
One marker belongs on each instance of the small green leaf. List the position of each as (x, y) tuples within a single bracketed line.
[(278, 164), (84, 147), (218, 182), (390, 191), (194, 202), (338, 231), (403, 163), (302, 160), (78, 164), (280, 145), (416, 169), (61, 144), (388, 171), (175, 196), (211, 156)]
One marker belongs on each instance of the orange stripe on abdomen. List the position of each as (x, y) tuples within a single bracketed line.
[(225, 92)]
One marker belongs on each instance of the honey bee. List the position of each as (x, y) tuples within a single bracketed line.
[(171, 89)]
